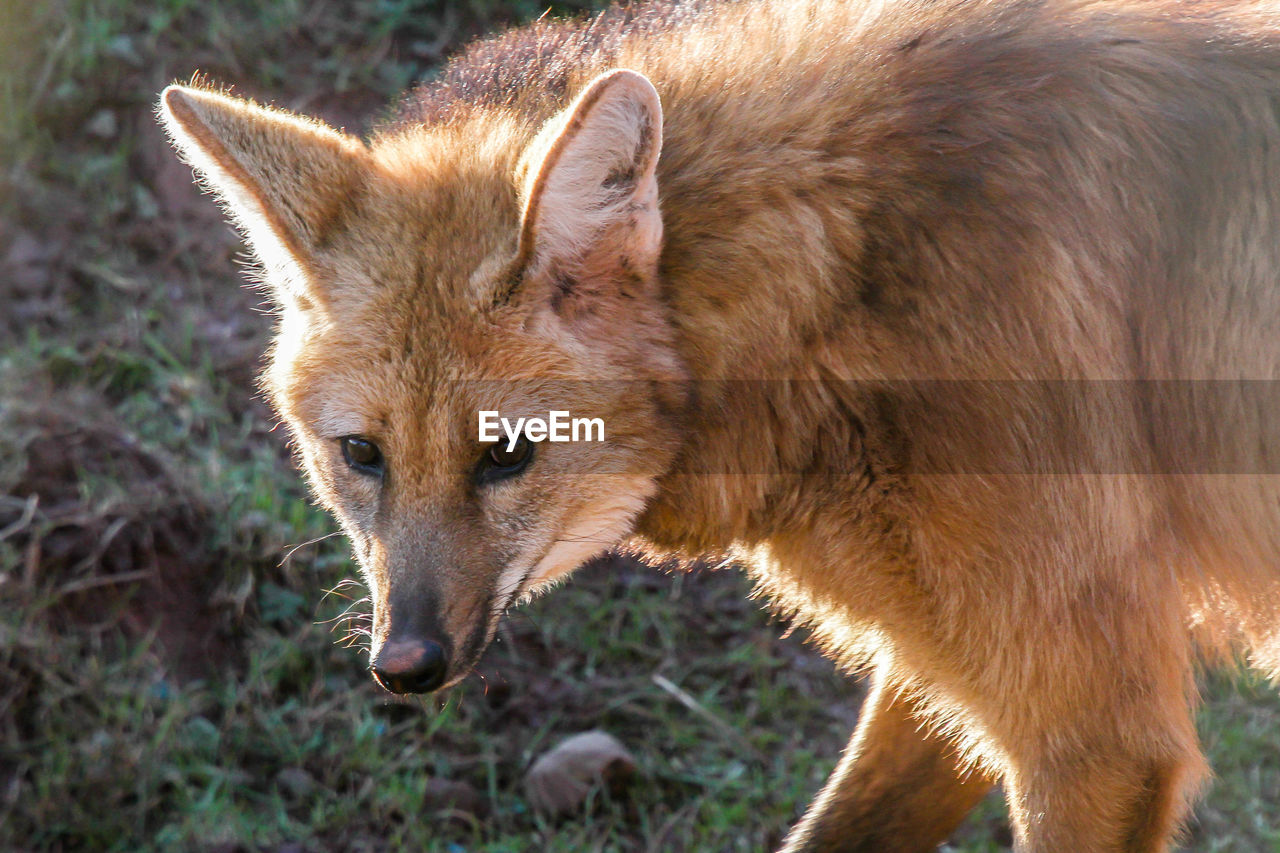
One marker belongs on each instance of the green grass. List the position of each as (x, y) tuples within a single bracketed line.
[(169, 682), (1240, 730)]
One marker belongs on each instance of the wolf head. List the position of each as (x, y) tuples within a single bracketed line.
[(435, 272)]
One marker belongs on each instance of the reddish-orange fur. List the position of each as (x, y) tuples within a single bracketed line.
[(877, 335)]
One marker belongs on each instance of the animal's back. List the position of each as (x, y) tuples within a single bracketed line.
[(918, 138)]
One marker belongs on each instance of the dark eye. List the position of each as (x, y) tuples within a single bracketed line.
[(362, 454), (499, 462)]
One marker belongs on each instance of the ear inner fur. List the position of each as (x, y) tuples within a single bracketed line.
[(580, 116), (177, 102), (285, 220)]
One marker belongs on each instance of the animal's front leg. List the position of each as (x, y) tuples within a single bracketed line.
[(1124, 795), (897, 789)]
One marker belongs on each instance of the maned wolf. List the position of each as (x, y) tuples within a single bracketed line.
[(957, 323)]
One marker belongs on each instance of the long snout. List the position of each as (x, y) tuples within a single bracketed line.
[(415, 651)]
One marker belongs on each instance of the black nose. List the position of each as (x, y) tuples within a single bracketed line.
[(410, 666)]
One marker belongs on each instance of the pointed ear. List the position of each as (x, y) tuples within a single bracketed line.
[(591, 188), (282, 178)]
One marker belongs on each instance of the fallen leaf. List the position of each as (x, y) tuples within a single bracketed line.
[(560, 781)]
